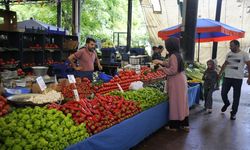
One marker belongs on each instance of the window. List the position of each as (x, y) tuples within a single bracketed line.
[(156, 6)]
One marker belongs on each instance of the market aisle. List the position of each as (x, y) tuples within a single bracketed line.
[(208, 132)]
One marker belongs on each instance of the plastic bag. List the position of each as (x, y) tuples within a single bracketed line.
[(136, 85)]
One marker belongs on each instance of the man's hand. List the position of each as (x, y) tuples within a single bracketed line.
[(100, 67), (248, 81), (78, 68)]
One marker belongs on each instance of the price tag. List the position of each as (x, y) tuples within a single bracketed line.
[(41, 83), (71, 79), (138, 69), (76, 94), (120, 88)]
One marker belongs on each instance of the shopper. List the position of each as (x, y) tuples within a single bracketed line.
[(234, 73), (210, 79), (156, 53), (160, 49), (176, 85), (86, 57)]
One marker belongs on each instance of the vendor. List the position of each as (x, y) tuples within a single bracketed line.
[(156, 53), (86, 58)]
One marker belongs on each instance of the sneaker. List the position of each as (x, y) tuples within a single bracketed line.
[(209, 111), (186, 129), (171, 129), (224, 108), (233, 116)]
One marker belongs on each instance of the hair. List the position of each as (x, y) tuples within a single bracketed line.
[(154, 48), (236, 42), (160, 47), (88, 40), (212, 61), (173, 47)]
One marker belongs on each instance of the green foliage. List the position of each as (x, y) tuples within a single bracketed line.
[(99, 18)]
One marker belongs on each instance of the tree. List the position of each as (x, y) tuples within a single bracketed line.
[(99, 18)]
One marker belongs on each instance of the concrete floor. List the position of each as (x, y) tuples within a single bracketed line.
[(207, 132)]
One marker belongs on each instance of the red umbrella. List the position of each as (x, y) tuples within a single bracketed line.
[(207, 30)]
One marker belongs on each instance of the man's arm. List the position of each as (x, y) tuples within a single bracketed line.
[(223, 68), (97, 60), (72, 59), (248, 68)]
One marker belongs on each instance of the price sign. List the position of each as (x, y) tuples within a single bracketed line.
[(120, 88), (76, 94), (71, 79), (41, 83)]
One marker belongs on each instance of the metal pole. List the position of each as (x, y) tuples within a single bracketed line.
[(217, 18), (129, 25), (7, 4), (199, 42), (59, 13), (189, 28), (75, 17)]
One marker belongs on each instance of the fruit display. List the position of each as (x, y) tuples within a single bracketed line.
[(147, 97), (99, 113), (157, 85), (8, 62), (51, 62), (147, 74), (20, 72), (48, 97), (39, 128), (107, 44), (200, 66), (194, 73), (4, 107), (125, 78), (83, 87)]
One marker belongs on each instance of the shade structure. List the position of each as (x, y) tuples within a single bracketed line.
[(33, 24), (207, 30)]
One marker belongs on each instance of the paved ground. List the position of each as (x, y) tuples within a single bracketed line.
[(208, 132)]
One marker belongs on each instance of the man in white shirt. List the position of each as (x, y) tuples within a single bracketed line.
[(234, 73)]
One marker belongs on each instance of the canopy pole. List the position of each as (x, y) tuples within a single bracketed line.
[(129, 25), (217, 18), (189, 28), (59, 13), (199, 46)]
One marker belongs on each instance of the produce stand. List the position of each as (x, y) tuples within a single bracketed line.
[(133, 130), (127, 133), (104, 117)]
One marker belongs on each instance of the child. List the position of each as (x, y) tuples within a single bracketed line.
[(210, 80)]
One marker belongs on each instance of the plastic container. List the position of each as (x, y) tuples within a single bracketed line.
[(104, 77), (15, 91)]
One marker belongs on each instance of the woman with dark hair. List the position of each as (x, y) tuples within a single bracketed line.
[(176, 86)]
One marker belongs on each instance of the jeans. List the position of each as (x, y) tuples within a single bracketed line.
[(86, 74), (226, 86), (208, 96)]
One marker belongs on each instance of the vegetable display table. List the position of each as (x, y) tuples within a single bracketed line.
[(130, 132)]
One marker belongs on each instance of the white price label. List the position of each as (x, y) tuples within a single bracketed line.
[(138, 69), (71, 79), (41, 83), (76, 94), (120, 88)]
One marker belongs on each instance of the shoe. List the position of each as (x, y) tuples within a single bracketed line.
[(224, 108), (171, 129), (233, 116), (209, 111), (187, 129)]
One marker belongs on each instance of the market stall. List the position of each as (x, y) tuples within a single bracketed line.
[(102, 112)]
